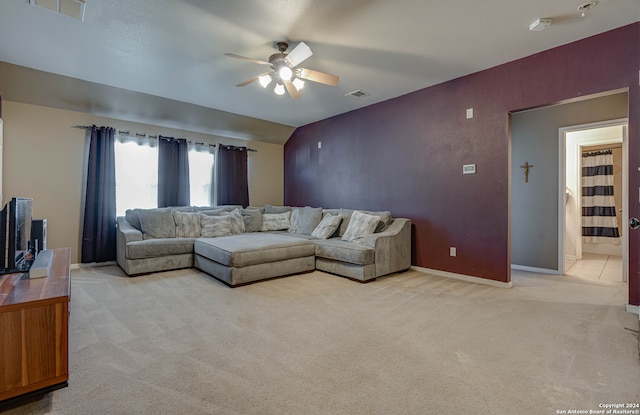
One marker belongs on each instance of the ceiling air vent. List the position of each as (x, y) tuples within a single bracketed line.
[(357, 94), (71, 8)]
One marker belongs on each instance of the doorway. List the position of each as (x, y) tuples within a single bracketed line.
[(537, 201), (595, 258)]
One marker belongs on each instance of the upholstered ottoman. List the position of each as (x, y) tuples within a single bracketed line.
[(249, 257)]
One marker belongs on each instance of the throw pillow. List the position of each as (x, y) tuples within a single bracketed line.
[(327, 226), (346, 218), (212, 226), (385, 220), (275, 221), (252, 219), (229, 208), (304, 220), (157, 223), (237, 223), (360, 225), (187, 224)]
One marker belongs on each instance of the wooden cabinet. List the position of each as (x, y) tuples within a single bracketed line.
[(34, 330)]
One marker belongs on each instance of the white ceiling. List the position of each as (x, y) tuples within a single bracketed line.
[(175, 48)]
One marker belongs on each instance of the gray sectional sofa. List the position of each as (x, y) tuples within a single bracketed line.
[(240, 246)]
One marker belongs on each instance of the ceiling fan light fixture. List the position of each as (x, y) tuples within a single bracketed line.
[(279, 89), (285, 73), (298, 83), (264, 80)]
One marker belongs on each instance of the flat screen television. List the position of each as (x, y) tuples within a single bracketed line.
[(15, 231)]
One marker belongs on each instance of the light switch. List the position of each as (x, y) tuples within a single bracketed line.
[(319, 144), (469, 113)]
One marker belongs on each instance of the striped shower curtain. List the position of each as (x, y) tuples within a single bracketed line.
[(599, 223)]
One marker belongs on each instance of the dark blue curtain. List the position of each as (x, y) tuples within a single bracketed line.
[(173, 172), (233, 181), (99, 230)]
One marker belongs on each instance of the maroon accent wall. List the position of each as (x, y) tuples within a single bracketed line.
[(406, 154)]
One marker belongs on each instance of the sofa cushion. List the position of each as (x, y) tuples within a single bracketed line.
[(157, 223), (131, 215), (340, 250), (304, 220), (275, 221), (212, 226), (252, 248), (361, 225), (252, 219), (159, 247), (327, 226), (276, 209), (229, 208), (212, 212), (187, 224), (182, 208)]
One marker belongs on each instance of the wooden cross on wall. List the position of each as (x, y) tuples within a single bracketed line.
[(526, 168)]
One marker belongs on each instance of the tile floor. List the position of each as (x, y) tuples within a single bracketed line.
[(597, 267)]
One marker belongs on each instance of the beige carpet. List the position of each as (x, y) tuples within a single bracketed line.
[(181, 343)]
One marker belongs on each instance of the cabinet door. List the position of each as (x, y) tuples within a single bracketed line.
[(33, 347)]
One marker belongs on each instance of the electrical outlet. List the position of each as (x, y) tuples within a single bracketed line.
[(453, 251)]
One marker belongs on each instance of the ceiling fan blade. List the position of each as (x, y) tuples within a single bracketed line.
[(317, 76), (248, 81), (244, 58), (255, 78), (299, 54), (291, 89)]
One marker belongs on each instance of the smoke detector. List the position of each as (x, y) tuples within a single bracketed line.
[(71, 8), (585, 7), (539, 25)]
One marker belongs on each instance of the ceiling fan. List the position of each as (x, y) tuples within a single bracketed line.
[(284, 70)]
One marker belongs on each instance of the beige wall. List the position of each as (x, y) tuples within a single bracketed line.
[(45, 159)]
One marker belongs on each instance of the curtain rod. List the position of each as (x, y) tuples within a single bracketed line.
[(88, 127), (596, 153)]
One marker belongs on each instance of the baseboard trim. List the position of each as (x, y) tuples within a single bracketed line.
[(633, 309), (93, 264), (534, 269), (463, 277)]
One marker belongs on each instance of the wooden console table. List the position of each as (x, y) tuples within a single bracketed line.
[(34, 330)]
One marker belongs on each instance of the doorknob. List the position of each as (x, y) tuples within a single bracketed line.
[(634, 223)]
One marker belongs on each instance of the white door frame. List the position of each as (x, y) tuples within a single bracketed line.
[(562, 139)]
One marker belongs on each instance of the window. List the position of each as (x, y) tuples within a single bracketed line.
[(201, 163), (136, 174)]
